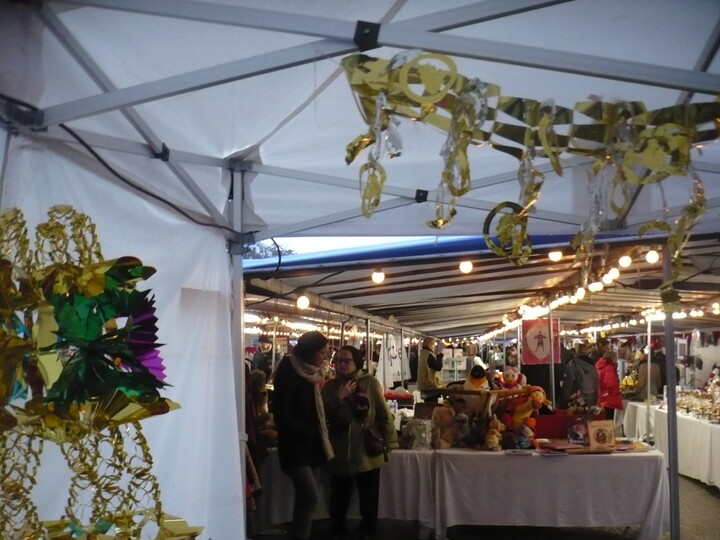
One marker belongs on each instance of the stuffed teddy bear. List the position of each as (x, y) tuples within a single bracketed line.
[(512, 378), (443, 420)]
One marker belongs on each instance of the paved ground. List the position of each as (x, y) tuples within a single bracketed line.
[(699, 512)]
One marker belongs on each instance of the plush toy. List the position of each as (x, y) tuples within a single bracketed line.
[(443, 420), (512, 378), (492, 441), (477, 380), (524, 437), (462, 431), (528, 407)]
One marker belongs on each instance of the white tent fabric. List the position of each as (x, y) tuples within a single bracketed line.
[(196, 448), (259, 82)]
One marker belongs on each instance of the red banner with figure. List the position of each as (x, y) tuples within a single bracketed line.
[(536, 342)]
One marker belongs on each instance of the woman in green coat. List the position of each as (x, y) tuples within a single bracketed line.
[(353, 400)]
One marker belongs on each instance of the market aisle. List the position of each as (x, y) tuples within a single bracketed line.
[(699, 506)]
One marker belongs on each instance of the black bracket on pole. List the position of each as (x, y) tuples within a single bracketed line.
[(163, 154), (366, 35), (421, 195)]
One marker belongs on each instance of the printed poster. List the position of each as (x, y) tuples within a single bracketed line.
[(536, 342)]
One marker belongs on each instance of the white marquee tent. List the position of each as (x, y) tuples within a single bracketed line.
[(224, 123)]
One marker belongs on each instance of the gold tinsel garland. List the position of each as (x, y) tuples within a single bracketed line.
[(623, 136)]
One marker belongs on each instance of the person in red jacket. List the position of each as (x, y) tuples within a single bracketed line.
[(608, 384)]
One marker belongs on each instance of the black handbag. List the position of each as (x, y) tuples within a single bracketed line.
[(374, 442)]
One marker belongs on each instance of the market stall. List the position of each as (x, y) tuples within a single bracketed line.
[(698, 443)]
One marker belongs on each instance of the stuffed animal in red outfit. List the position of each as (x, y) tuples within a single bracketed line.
[(512, 378)]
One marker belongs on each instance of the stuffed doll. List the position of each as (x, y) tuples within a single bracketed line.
[(512, 378), (443, 420)]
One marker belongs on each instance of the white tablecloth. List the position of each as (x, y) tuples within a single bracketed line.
[(592, 490), (467, 487), (634, 420), (698, 446)]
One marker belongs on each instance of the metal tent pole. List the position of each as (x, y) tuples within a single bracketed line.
[(552, 358), (648, 380), (672, 457)]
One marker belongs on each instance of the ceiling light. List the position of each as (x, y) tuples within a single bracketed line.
[(555, 256), (378, 276), (596, 286), (614, 273), (580, 293), (652, 256), (466, 267), (607, 279), (625, 261), (303, 302)]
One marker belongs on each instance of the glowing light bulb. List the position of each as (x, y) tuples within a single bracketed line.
[(303, 302), (378, 276), (614, 273), (466, 267), (555, 256), (580, 293), (625, 261), (652, 256)]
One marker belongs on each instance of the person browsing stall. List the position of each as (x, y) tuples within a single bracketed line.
[(353, 400), (303, 442), (263, 359), (429, 371), (608, 384)]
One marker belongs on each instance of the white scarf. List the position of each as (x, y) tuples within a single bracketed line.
[(315, 375)]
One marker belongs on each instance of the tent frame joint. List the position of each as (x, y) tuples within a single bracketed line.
[(366, 35), (18, 116), (239, 244), (421, 195), (163, 154)]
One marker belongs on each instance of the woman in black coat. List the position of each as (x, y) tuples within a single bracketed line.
[(303, 443)]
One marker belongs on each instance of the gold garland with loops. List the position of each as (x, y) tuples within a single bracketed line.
[(19, 462)]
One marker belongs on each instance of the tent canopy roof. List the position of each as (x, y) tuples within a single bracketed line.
[(180, 92)]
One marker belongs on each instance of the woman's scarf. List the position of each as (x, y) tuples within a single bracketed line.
[(315, 375)]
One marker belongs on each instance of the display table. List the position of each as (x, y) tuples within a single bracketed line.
[(440, 489), (698, 444), (591, 490), (634, 420)]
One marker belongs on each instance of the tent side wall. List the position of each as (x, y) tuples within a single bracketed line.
[(195, 448)]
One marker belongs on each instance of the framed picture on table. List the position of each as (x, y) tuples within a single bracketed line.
[(601, 434)]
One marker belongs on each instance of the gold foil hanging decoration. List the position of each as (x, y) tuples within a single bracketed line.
[(70, 373), (641, 146), (20, 454)]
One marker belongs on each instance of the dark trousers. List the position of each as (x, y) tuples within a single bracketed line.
[(368, 488), (306, 499)]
